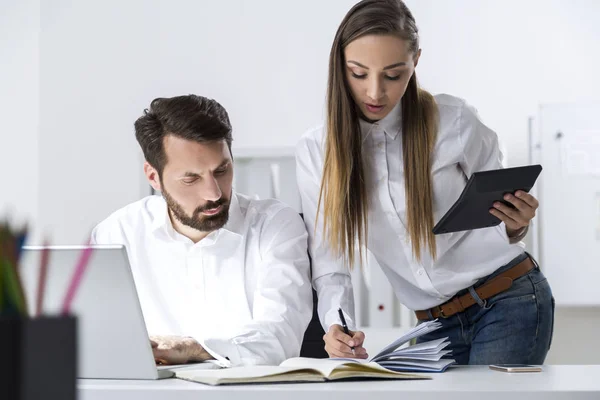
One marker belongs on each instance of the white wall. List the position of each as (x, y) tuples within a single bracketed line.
[(506, 57), (19, 70), (101, 62)]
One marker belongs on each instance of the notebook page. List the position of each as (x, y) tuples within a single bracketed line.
[(236, 374), (434, 365), (417, 331), (419, 356), (324, 365)]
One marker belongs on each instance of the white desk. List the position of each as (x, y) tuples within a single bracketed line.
[(460, 383)]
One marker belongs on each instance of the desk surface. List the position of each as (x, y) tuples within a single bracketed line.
[(570, 382)]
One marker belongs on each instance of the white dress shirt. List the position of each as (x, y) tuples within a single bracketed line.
[(464, 145), (243, 291)]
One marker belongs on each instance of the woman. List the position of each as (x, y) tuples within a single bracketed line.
[(390, 161)]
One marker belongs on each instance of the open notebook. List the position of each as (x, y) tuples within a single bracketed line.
[(297, 369), (422, 357), (395, 361)]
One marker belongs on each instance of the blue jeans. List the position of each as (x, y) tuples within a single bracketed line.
[(512, 327)]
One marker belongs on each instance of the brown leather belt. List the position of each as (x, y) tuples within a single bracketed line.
[(491, 288)]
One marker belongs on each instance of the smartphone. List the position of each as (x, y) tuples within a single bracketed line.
[(516, 368)]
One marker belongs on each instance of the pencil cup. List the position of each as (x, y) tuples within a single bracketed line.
[(39, 358)]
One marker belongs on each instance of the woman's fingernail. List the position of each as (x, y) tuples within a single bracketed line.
[(351, 343)]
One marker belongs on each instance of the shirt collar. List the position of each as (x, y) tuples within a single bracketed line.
[(160, 217), (391, 124), (234, 225)]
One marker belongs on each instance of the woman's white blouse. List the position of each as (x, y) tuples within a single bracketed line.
[(464, 145)]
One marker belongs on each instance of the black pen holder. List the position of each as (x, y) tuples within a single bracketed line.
[(39, 358)]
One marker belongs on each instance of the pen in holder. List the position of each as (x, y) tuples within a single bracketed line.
[(39, 358), (39, 354)]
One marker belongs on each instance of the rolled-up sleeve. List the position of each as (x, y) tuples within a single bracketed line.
[(330, 276)]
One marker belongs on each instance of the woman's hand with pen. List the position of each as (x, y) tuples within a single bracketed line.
[(339, 344)]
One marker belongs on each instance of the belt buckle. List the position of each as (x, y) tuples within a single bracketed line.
[(441, 312)]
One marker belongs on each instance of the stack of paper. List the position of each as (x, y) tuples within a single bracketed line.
[(422, 357)]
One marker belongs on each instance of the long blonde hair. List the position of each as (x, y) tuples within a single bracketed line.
[(343, 194)]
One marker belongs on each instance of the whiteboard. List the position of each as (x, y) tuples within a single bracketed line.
[(569, 231)]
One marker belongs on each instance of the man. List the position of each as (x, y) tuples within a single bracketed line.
[(219, 275)]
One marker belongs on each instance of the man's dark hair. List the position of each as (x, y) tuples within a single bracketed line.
[(189, 117)]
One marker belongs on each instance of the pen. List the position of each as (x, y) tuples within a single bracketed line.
[(76, 279), (346, 331), (39, 301), (13, 299)]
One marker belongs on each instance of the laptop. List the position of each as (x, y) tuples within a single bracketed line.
[(112, 338)]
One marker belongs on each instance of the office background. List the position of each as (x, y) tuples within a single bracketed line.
[(74, 75)]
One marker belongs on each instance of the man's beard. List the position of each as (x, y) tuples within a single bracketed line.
[(205, 223)]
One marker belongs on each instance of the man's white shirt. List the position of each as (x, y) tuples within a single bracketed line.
[(243, 291)]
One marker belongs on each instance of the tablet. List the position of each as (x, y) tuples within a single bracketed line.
[(471, 210)]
